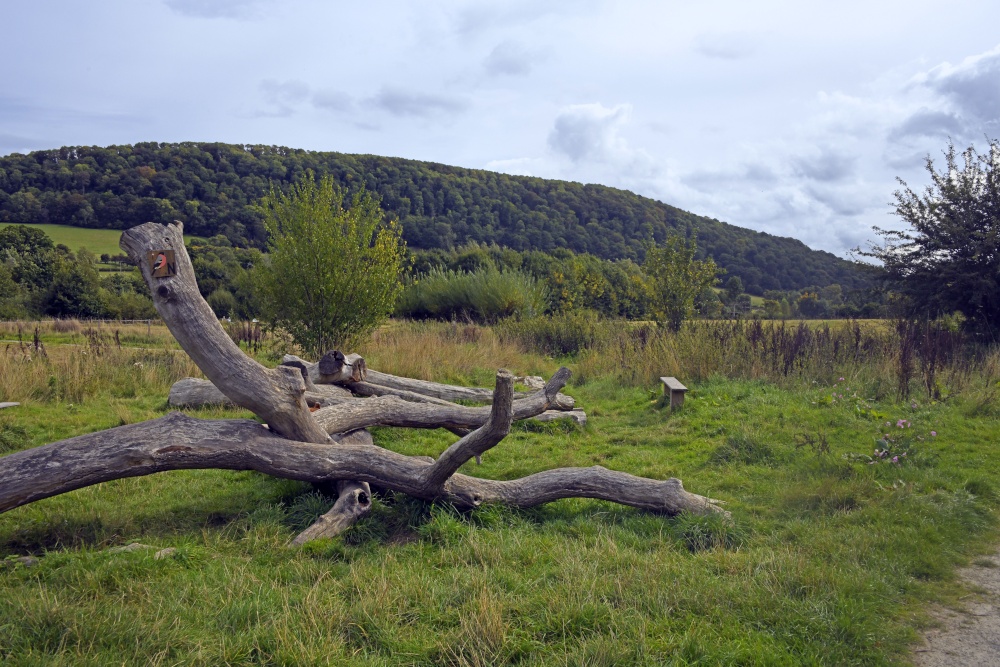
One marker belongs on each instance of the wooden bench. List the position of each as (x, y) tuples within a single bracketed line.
[(676, 391)]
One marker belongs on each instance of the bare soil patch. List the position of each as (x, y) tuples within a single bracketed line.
[(968, 636)]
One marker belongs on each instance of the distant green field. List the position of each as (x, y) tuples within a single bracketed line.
[(97, 241), (755, 301)]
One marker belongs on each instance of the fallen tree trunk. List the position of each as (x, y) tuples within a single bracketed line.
[(197, 393), (351, 370), (178, 442), (330, 447)]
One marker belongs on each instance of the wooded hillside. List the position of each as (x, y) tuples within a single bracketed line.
[(214, 188)]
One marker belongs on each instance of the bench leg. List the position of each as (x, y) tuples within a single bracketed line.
[(676, 399)]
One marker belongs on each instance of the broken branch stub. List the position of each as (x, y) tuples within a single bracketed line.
[(495, 429)]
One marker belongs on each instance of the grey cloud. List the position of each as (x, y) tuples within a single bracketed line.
[(967, 105), (586, 132), (282, 96), (731, 46), (973, 86), (509, 57), (927, 123), (488, 16), (841, 202), (760, 174), (902, 158), (284, 91), (394, 101), (827, 166), (217, 9), (13, 109), (18, 114), (660, 127), (333, 100), (422, 105), (752, 173)]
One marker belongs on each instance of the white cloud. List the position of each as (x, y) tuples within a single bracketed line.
[(789, 117)]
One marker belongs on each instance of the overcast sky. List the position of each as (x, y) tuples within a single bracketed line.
[(787, 116)]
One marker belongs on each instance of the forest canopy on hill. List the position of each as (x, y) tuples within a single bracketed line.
[(215, 188)]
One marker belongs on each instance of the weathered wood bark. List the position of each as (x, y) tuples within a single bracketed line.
[(197, 393), (579, 417), (353, 501), (177, 442), (495, 429), (335, 366), (449, 392)]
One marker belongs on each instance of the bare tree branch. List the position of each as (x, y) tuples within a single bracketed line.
[(341, 369)]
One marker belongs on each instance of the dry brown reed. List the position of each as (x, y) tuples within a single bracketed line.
[(446, 352), (76, 373), (248, 335), (66, 326)]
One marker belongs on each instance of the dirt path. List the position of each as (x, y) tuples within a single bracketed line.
[(970, 637)]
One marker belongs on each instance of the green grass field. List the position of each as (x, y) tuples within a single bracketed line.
[(97, 241), (830, 558)]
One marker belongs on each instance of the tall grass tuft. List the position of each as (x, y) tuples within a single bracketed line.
[(889, 360), (558, 335), (75, 374), (486, 296)]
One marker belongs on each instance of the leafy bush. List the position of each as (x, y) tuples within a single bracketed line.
[(332, 275), (487, 295)]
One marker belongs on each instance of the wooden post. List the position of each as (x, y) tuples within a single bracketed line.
[(675, 389)]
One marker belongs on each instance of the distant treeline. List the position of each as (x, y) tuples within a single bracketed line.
[(488, 283), (214, 188), (482, 283)]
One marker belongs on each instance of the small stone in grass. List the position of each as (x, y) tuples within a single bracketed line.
[(135, 546)]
